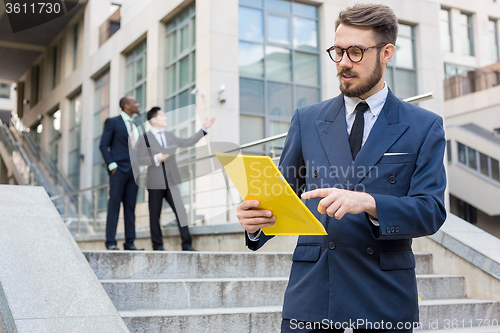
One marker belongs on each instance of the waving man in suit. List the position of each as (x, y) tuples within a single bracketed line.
[(157, 149), (371, 169)]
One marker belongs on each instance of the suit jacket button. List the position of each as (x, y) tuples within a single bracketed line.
[(393, 229), (388, 230), (331, 246), (370, 251), (396, 229), (392, 179)]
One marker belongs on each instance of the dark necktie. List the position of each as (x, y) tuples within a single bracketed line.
[(358, 127)]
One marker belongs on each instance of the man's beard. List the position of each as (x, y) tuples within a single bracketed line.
[(362, 88)]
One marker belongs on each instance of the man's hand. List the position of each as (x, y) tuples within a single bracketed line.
[(162, 157), (336, 202), (254, 219), (208, 122), (113, 171)]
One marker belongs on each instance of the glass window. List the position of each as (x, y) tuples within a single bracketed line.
[(466, 34), (404, 53), (251, 96), (184, 39), (135, 76), (279, 99), (483, 164), (495, 170), (251, 27), (306, 69), (170, 48), (4, 90), (74, 141), (280, 31), (304, 10), (472, 158), (305, 96), (170, 83), (280, 72), (251, 59), (184, 77), (305, 34), (180, 73), (279, 5), (278, 63), (445, 30), (461, 153), (251, 128), (493, 35), (278, 127), (400, 73), (254, 3)]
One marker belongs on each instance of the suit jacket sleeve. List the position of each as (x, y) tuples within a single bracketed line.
[(422, 211), (189, 141), (106, 141), (291, 163)]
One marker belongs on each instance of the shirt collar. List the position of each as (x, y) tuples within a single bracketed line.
[(375, 102), (126, 118), (155, 131)]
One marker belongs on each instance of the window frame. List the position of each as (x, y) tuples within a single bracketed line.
[(394, 68), (268, 117)]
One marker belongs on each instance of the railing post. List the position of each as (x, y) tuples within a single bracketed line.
[(79, 213), (191, 196), (66, 208), (95, 210)]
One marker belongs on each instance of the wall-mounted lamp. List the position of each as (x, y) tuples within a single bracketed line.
[(222, 99)]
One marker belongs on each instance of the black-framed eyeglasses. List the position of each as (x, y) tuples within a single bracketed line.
[(354, 53)]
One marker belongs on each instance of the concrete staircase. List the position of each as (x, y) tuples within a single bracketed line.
[(243, 292)]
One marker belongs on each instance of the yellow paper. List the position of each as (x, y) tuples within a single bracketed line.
[(258, 178)]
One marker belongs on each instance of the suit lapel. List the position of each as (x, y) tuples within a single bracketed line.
[(384, 133), (122, 125), (333, 135)]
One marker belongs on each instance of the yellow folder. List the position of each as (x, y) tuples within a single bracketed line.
[(258, 178)]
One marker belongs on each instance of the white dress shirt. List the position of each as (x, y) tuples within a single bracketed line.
[(375, 103), (162, 140)]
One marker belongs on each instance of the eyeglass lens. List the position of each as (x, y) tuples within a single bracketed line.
[(354, 53)]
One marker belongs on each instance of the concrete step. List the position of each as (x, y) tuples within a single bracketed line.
[(268, 319), (220, 320), (444, 311), (171, 294), (187, 265), (434, 286), (181, 265)]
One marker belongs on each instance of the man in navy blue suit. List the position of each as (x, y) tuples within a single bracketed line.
[(119, 133), (370, 167)]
